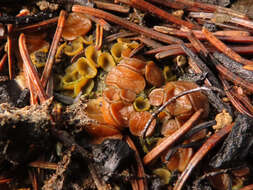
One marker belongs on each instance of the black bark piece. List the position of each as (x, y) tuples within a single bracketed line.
[(11, 93), (18, 134), (204, 68), (217, 102), (156, 184), (198, 128), (113, 154), (69, 141), (23, 99), (204, 185), (29, 19), (234, 66), (69, 3), (4, 95), (198, 78), (236, 146)]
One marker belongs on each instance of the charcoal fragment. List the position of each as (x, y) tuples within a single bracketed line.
[(11, 93), (234, 66), (236, 146), (113, 155), (4, 95), (23, 99), (198, 78), (156, 184), (203, 185)]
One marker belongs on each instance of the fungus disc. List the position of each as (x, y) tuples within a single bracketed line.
[(86, 68), (111, 94), (134, 64), (138, 121), (106, 61), (125, 78), (74, 48), (156, 97), (105, 109), (77, 24), (92, 54), (127, 95), (153, 74), (141, 104)]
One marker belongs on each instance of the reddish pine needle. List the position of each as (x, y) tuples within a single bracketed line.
[(126, 24), (50, 59)]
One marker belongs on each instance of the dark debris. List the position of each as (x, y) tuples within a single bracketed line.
[(236, 146), (234, 66), (113, 155)]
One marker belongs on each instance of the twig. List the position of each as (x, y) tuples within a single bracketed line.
[(136, 50), (212, 8), (232, 77), (161, 13), (172, 4), (166, 48), (200, 48), (200, 36), (112, 7), (9, 44), (126, 24), (43, 165), (142, 182), (245, 100), (147, 41), (50, 59), (120, 35), (37, 26), (5, 180), (33, 94), (168, 53), (106, 26), (233, 100), (33, 74), (211, 77), (134, 183), (34, 179), (168, 141), (206, 147), (9, 50), (2, 61), (212, 17), (223, 48), (99, 37), (175, 49), (196, 69)]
